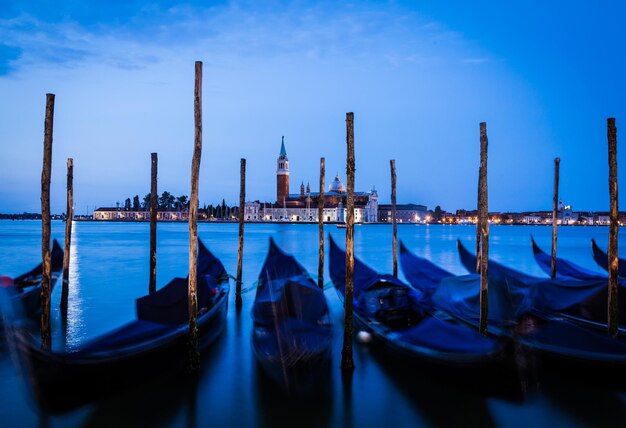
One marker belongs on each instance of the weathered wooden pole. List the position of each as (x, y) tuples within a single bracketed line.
[(69, 210), (613, 315), (320, 222), (347, 363), (394, 231), (484, 230), (555, 207), (46, 267), (192, 293), (242, 198), (153, 221)]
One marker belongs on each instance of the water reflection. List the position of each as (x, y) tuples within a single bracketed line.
[(75, 323), (109, 270), (155, 404)]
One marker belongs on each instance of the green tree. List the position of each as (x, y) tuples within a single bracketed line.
[(146, 201), (136, 205), (127, 203)]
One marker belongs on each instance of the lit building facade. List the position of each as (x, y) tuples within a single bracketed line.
[(116, 213), (303, 206)]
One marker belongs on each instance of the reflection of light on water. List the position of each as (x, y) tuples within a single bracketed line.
[(75, 322)]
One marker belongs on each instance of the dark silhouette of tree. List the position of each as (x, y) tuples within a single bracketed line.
[(146, 201), (166, 200), (127, 203), (181, 202), (136, 204), (437, 213)]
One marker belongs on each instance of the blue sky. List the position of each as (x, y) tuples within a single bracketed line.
[(419, 76)]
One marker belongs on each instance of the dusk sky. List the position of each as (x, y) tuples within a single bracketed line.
[(419, 77)]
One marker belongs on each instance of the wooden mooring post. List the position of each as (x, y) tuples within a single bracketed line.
[(242, 199), (483, 212), (192, 292), (394, 228), (613, 315), (46, 283), (347, 362), (69, 215), (555, 212), (320, 223), (154, 161)]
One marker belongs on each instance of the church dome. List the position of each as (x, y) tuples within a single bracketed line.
[(337, 186)]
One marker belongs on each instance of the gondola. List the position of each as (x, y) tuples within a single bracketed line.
[(24, 291), (399, 318), (511, 313), (292, 328), (580, 300), (602, 259), (564, 268), (155, 344)]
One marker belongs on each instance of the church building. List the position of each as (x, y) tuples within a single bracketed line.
[(303, 206)]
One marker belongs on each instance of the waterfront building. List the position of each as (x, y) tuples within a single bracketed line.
[(303, 206), (405, 213), (141, 214)]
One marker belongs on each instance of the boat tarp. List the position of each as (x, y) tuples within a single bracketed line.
[(285, 290), (429, 332), (279, 264), (444, 336), (129, 334), (369, 285), (582, 299), (296, 297), (460, 296), (169, 305), (422, 274), (496, 270), (564, 268)]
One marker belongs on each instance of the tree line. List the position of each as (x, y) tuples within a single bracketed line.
[(165, 201), (170, 202)]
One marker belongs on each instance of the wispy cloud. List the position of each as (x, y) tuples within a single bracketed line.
[(154, 34)]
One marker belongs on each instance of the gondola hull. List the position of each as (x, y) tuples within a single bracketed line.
[(292, 330), (25, 292), (494, 374), (602, 259), (302, 377), (580, 300), (64, 381), (408, 331), (558, 343)]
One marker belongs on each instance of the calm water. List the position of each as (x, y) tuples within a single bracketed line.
[(109, 271)]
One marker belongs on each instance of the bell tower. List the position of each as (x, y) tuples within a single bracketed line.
[(282, 175)]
